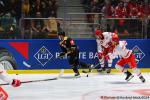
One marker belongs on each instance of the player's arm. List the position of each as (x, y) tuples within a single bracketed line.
[(73, 47), (63, 48), (99, 50), (68, 50)]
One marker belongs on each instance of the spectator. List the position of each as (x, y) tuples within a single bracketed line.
[(54, 8), (26, 8), (37, 6), (133, 13), (2, 6), (51, 27), (38, 27), (149, 11), (8, 27), (108, 10), (140, 7), (15, 9), (120, 11)]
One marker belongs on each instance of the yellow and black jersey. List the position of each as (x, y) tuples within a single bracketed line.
[(68, 45)]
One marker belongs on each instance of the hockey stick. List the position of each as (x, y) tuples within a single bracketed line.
[(40, 80), (88, 72), (32, 81)]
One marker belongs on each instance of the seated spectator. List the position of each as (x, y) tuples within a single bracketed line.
[(26, 8), (54, 8), (2, 6), (9, 27), (108, 10), (148, 11), (51, 27), (38, 27), (37, 6), (15, 9), (140, 7), (120, 11), (133, 13)]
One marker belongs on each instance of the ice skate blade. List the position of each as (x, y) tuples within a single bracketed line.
[(129, 78)]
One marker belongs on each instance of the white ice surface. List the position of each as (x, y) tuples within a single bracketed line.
[(84, 88)]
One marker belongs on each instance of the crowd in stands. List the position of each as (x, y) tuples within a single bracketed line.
[(113, 9), (118, 8), (11, 11)]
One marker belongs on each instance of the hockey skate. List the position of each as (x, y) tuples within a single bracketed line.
[(102, 69), (77, 75), (142, 79), (108, 70), (129, 76), (91, 67)]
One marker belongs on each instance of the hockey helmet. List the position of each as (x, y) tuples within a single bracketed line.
[(98, 34)]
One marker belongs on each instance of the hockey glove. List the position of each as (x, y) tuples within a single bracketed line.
[(100, 55), (107, 57), (16, 83), (61, 55)]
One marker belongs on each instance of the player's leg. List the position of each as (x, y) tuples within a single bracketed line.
[(109, 65), (120, 66), (102, 63), (5, 77), (101, 57), (74, 62), (133, 65)]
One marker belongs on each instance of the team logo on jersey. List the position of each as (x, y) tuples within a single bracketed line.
[(43, 55), (138, 53)]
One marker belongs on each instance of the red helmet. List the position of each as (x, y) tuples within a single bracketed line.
[(98, 34), (115, 38)]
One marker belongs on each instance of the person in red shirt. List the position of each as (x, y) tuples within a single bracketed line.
[(140, 7), (120, 11)]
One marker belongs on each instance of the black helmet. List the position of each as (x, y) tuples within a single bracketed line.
[(61, 33)]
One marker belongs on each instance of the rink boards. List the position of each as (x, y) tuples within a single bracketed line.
[(40, 56)]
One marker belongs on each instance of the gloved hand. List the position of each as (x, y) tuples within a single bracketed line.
[(100, 55), (61, 55), (16, 83), (107, 57)]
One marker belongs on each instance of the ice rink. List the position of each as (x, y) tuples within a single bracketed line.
[(94, 87)]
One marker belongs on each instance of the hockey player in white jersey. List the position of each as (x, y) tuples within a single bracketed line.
[(126, 57), (4, 76), (104, 45)]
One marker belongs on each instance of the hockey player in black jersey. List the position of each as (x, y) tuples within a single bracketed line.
[(70, 49)]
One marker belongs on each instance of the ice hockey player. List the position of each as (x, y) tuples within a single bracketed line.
[(70, 49), (126, 57), (4, 76), (104, 45)]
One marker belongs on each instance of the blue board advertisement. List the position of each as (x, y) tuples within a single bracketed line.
[(42, 54)]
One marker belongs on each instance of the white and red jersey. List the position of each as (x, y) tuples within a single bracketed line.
[(106, 42), (121, 51)]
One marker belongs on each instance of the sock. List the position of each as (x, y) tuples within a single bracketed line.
[(4, 76), (122, 69), (109, 62), (102, 62), (137, 71)]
